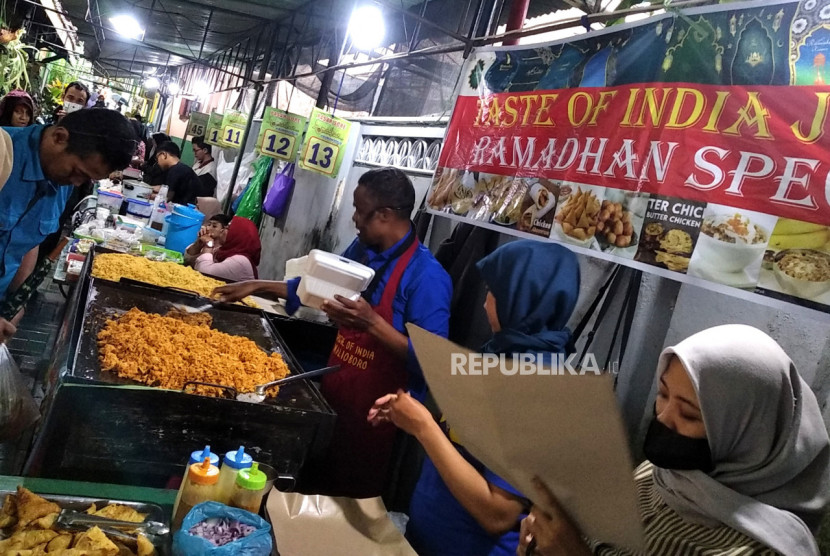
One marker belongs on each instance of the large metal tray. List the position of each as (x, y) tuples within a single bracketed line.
[(107, 300), (81, 503)]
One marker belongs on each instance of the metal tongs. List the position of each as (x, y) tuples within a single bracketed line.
[(258, 395), (71, 520)]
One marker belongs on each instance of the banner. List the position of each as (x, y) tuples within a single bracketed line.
[(233, 128), (213, 132), (280, 133), (325, 143), (197, 124), (695, 145)]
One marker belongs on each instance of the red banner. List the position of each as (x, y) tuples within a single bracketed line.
[(763, 149)]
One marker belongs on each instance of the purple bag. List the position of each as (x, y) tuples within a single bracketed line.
[(277, 198)]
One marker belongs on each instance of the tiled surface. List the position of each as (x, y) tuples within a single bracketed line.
[(32, 349)]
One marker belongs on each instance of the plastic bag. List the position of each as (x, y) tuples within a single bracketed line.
[(257, 543), (18, 409), (250, 204), (225, 160), (280, 192)]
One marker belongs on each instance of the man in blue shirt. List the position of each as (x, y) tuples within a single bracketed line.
[(47, 163), (372, 348)]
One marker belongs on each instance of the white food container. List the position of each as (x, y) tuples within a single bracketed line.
[(295, 267), (327, 275)]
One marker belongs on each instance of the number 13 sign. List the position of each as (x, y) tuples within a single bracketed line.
[(279, 134), (325, 143)]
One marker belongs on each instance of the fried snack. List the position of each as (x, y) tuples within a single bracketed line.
[(114, 266), (166, 352), (440, 195), (676, 242), (121, 513), (94, 539), (145, 547), (38, 538), (579, 215), (8, 516), (614, 224), (61, 542), (31, 507)]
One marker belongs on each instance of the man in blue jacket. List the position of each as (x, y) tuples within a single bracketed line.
[(47, 163)]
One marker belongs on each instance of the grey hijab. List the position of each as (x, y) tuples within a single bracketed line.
[(770, 448)]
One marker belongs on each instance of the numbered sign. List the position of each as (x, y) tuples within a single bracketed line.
[(325, 143), (280, 133), (233, 128), (198, 123), (321, 156), (213, 130), (232, 136)]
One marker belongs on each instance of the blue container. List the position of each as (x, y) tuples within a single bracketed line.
[(183, 227)]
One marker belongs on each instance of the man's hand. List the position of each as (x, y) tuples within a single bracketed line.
[(61, 113), (354, 315), (9, 329), (401, 409), (235, 292), (551, 534)]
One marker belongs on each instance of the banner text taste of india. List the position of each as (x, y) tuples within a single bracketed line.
[(760, 148)]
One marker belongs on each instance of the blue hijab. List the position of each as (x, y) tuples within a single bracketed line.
[(536, 286)]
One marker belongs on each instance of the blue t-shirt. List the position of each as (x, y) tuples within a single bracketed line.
[(423, 297), (440, 526), (30, 204)]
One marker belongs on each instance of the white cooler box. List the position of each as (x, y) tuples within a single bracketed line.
[(327, 275)]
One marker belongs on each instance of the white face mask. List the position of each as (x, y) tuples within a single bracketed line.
[(70, 107)]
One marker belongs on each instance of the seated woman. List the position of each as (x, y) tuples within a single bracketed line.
[(211, 237), (17, 109), (459, 507), (238, 257), (739, 457)]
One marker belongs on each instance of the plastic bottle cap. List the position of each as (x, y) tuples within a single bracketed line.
[(203, 473), (238, 459), (252, 479), (199, 456)]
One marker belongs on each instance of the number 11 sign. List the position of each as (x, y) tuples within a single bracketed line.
[(280, 134), (325, 143)]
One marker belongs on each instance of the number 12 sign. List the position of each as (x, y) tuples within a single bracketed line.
[(325, 143), (280, 133)]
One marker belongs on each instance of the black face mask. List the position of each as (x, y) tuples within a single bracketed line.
[(667, 449)]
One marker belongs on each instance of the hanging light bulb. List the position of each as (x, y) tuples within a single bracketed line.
[(152, 83), (173, 88), (366, 27), (127, 26)]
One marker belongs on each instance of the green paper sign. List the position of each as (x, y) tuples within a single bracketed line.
[(214, 130), (198, 123), (233, 127), (279, 136), (325, 143)]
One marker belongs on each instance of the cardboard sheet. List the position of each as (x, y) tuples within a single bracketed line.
[(565, 429)]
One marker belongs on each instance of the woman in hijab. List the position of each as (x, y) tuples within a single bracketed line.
[(459, 506), (739, 457), (238, 257), (17, 109)]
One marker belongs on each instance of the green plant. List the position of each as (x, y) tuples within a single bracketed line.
[(14, 62)]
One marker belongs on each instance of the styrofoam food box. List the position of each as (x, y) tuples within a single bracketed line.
[(328, 275)]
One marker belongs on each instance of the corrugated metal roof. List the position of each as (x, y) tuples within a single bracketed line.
[(175, 29)]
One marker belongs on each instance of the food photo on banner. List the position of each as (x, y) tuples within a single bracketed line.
[(694, 145)]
